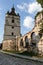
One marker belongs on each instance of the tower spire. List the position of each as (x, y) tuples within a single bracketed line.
[(13, 9), (13, 5)]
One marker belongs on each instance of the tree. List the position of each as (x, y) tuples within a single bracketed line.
[(41, 2)]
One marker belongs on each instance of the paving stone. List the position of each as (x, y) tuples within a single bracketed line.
[(10, 60)]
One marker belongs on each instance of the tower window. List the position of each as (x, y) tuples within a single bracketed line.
[(12, 33), (13, 21), (12, 27)]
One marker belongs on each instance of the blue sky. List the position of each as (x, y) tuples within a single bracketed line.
[(27, 10)]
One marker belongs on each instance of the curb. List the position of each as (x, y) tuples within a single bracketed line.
[(23, 57)]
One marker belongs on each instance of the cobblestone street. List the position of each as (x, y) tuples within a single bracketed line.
[(10, 60)]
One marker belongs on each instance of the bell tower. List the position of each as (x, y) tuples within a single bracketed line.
[(12, 25)]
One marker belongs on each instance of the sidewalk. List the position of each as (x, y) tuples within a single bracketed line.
[(24, 57)]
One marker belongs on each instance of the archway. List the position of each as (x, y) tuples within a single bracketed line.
[(33, 35), (26, 42), (33, 39)]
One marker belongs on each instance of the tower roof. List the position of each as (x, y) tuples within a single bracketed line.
[(13, 9), (12, 12)]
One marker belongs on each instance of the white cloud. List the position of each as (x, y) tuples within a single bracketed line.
[(31, 8), (34, 7), (22, 6), (28, 22)]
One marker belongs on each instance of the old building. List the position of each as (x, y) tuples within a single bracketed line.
[(31, 41), (12, 26)]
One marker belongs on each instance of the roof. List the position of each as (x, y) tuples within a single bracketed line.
[(12, 12)]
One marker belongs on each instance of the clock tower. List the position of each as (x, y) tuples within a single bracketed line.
[(12, 25)]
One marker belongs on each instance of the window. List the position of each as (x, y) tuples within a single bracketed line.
[(12, 20), (12, 27), (12, 33)]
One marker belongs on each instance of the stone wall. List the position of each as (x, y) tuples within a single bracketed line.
[(9, 45)]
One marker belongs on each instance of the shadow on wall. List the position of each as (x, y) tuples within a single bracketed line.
[(0, 45), (26, 42), (21, 42)]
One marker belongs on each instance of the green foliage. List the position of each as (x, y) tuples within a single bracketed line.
[(41, 2), (26, 53)]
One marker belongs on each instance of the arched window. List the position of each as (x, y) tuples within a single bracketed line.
[(26, 42), (21, 42), (12, 20)]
